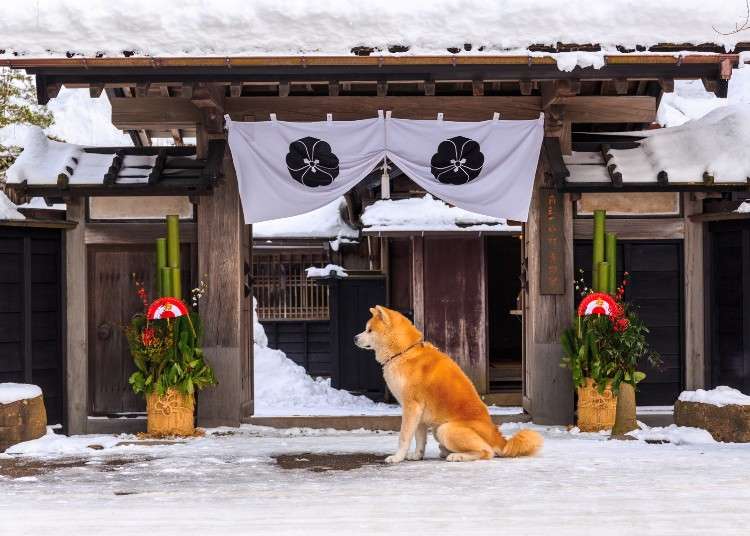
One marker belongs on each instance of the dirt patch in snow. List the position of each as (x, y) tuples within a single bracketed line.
[(28, 467), (320, 463)]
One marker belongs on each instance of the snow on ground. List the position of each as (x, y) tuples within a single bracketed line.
[(427, 214), (744, 208), (13, 392), (270, 27), (230, 484), (720, 396)]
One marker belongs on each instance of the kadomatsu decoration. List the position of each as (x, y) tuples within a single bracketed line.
[(606, 343), (458, 160), (311, 162), (165, 343)]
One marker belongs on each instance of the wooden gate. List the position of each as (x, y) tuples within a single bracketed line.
[(729, 312), (112, 303), (31, 313), (656, 269)]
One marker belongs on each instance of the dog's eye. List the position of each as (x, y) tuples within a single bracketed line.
[(369, 330)]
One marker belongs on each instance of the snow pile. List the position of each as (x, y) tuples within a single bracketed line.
[(721, 396), (53, 444), (42, 159), (690, 100), (744, 208), (325, 222), (715, 144), (327, 271), (13, 392), (270, 27), (8, 209), (677, 435), (284, 388), (427, 214)]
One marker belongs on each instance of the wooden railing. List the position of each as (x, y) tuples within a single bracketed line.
[(283, 290)]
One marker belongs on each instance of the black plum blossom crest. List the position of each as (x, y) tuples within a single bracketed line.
[(458, 160), (311, 162)]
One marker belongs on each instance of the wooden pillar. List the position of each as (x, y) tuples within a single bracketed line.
[(223, 262), (76, 320), (417, 280), (695, 351), (548, 388)]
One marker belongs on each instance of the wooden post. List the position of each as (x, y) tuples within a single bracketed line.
[(224, 310), (695, 352), (76, 320), (417, 281), (548, 387)]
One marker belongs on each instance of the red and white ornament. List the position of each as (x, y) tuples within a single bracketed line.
[(166, 308), (598, 303)]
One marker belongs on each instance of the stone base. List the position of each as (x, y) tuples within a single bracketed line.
[(730, 423), (21, 421)]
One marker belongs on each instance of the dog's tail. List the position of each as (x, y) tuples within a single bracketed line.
[(524, 443)]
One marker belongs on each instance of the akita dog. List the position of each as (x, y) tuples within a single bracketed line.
[(435, 393)]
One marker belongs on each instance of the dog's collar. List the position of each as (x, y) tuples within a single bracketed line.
[(402, 352)]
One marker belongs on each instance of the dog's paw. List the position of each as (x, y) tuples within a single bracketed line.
[(394, 458), (415, 456), (459, 457)]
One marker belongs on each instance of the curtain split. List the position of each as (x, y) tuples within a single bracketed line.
[(288, 168)]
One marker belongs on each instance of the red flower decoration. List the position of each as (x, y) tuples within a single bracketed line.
[(147, 336)]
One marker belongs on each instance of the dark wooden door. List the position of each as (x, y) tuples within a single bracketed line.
[(112, 303), (656, 288), (351, 299), (31, 313), (454, 302), (306, 342), (729, 313)]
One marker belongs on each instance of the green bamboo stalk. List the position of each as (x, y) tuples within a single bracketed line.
[(599, 224), (161, 262), (603, 275), (173, 241), (175, 282), (166, 281), (612, 261)]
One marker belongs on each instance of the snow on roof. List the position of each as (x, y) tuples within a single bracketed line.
[(690, 100), (325, 222), (715, 145), (721, 396), (427, 214), (334, 27), (8, 209)]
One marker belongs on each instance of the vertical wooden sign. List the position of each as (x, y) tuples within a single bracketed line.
[(552, 242)]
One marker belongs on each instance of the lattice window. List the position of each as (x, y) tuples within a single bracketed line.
[(283, 290)]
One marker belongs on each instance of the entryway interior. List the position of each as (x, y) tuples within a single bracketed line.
[(504, 314)]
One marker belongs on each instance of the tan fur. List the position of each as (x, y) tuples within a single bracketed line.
[(435, 393)]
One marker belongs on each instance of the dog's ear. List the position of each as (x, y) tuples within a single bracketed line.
[(374, 312), (384, 314)]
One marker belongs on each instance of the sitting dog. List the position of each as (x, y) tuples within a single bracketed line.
[(435, 393)]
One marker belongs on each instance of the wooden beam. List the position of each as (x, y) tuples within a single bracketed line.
[(95, 90), (334, 88), (284, 89), (555, 90), (633, 228), (429, 88), (525, 86), (621, 86), (666, 84), (160, 113), (477, 88), (134, 233), (141, 89), (695, 351), (76, 320)]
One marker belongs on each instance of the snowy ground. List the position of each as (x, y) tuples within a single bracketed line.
[(231, 484)]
